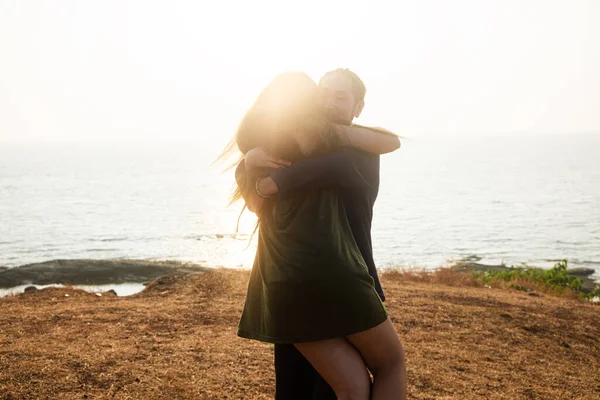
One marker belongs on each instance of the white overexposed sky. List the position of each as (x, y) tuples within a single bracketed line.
[(180, 70)]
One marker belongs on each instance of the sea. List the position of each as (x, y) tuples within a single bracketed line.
[(512, 199)]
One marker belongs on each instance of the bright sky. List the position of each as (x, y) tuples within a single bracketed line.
[(135, 70)]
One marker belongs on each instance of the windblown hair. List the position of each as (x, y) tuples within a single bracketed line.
[(289, 106)]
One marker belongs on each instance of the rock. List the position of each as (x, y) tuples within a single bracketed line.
[(533, 294), (93, 272), (522, 288), (30, 289), (112, 291), (468, 264), (580, 271)]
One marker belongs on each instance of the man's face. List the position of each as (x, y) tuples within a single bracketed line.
[(338, 99)]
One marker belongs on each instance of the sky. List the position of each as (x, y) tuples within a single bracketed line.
[(188, 70)]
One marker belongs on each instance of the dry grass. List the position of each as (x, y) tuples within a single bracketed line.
[(176, 340), (451, 277), (445, 276)]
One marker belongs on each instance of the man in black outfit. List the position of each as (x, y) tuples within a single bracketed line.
[(356, 174)]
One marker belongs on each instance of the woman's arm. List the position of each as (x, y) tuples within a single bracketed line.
[(371, 140)]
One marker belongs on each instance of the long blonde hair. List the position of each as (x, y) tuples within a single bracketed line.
[(288, 106)]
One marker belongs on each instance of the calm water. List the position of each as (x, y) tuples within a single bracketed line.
[(510, 199)]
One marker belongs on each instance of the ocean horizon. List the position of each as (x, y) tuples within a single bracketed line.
[(511, 200)]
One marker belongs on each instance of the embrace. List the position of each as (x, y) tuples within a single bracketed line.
[(312, 178)]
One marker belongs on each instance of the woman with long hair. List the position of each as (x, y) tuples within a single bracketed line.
[(309, 284)]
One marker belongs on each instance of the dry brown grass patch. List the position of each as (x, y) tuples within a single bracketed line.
[(177, 340), (444, 276)]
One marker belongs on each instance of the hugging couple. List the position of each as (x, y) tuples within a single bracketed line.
[(312, 178)]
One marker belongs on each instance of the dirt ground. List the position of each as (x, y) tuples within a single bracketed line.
[(177, 340)]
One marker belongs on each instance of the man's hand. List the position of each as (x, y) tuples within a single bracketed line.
[(258, 157), (267, 187)]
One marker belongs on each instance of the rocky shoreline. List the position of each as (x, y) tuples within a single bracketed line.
[(93, 272), (117, 271)]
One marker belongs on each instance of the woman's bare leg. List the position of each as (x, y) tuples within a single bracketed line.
[(341, 365), (383, 354)]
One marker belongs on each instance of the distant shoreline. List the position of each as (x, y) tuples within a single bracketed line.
[(120, 271)]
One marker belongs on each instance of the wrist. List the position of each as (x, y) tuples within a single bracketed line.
[(267, 186), (258, 190)]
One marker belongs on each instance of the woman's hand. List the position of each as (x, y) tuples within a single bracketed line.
[(259, 158)]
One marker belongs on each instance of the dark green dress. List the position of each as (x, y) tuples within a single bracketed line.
[(309, 281)]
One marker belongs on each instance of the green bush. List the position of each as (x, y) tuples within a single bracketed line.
[(556, 277)]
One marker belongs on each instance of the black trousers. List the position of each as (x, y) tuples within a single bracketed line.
[(295, 377)]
